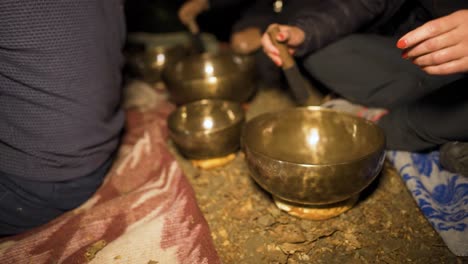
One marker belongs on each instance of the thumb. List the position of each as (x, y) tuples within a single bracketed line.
[(283, 35), (292, 36)]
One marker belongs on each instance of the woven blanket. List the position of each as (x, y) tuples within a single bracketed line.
[(145, 211), (442, 196)]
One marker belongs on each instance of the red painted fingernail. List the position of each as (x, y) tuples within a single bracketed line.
[(404, 55), (280, 36), (402, 43), (278, 62)]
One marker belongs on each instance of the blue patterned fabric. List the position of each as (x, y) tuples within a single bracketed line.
[(442, 196)]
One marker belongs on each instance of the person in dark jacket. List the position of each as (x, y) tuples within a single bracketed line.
[(246, 32), (60, 115), (357, 49)]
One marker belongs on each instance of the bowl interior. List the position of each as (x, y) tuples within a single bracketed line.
[(312, 136), (205, 116)]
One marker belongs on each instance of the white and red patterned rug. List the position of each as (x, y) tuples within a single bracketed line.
[(145, 211)]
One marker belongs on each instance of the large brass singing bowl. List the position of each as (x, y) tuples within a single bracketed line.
[(313, 156), (224, 76), (207, 128)]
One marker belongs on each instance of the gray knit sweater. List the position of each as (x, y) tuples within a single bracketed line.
[(60, 86)]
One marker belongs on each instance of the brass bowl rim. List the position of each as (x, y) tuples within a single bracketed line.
[(210, 55), (240, 117), (165, 48), (378, 148), (169, 71), (181, 79), (162, 48)]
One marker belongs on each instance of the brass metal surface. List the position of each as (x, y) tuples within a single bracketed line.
[(313, 155), (316, 212), (225, 76), (207, 128), (208, 164), (149, 62)]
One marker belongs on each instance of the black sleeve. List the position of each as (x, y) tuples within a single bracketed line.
[(258, 14), (326, 21), (224, 3)]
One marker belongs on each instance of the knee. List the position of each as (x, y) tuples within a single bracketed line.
[(400, 89), (335, 54)]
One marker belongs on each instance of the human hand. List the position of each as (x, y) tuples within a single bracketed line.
[(292, 36), (246, 41), (189, 11), (440, 46)]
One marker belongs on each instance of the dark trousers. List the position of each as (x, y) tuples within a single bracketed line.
[(425, 110), (25, 204)]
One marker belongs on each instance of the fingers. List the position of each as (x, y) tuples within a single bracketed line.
[(429, 30), (433, 44), (439, 46), (451, 67), (284, 34), (439, 57), (292, 36), (270, 49), (268, 46), (289, 35)]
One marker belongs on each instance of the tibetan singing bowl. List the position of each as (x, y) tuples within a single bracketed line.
[(207, 128), (226, 76), (313, 155), (149, 62)]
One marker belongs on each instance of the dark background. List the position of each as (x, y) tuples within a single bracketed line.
[(160, 16)]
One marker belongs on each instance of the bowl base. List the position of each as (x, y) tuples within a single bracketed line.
[(316, 212), (212, 163)]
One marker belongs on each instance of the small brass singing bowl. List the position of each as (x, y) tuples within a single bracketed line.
[(207, 128), (225, 76), (313, 155)]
